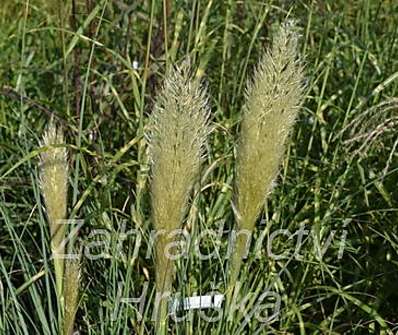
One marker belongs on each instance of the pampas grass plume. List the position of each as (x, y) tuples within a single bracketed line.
[(273, 98), (179, 127), (71, 293), (53, 181)]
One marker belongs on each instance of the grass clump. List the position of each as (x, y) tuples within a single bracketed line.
[(96, 68), (179, 130), (272, 102)]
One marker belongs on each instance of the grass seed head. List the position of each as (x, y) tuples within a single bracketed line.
[(71, 293), (273, 98), (179, 128), (54, 186), (54, 176)]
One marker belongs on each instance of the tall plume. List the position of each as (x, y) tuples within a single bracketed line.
[(273, 98), (54, 186), (179, 128)]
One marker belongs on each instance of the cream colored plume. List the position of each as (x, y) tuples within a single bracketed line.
[(179, 127), (273, 98), (54, 185)]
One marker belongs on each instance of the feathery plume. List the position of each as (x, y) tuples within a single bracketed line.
[(71, 293), (54, 185), (273, 98), (179, 127)]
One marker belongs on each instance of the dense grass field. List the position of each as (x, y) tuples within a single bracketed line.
[(96, 68)]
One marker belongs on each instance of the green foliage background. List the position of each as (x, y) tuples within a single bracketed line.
[(96, 67)]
